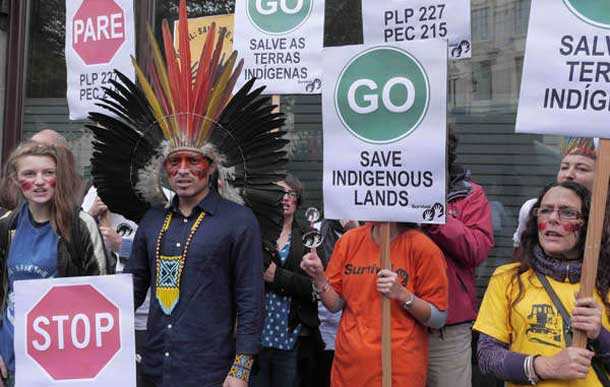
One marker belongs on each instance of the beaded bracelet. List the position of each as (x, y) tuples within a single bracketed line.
[(242, 366)]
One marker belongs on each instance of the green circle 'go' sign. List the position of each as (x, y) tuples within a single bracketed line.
[(594, 12), (279, 16), (382, 95)]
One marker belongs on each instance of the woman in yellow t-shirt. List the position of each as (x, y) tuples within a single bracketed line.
[(354, 283), (523, 337)]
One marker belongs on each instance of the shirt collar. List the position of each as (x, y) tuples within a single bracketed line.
[(209, 204)]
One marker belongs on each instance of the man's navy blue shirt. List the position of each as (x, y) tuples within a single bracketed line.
[(222, 282)]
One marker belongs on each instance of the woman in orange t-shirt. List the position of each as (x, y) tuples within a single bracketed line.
[(354, 283)]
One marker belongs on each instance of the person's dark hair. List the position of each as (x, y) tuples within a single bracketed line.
[(452, 143), (297, 186), (529, 241)]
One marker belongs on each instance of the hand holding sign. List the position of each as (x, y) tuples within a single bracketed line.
[(312, 265)]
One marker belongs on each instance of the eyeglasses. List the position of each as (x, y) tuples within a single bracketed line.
[(563, 213), (291, 194)]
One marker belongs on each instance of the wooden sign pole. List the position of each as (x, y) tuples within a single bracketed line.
[(386, 308), (594, 230), (275, 100)]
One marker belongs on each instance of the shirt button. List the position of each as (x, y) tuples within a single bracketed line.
[(169, 326), (185, 220), (166, 354), (178, 244)]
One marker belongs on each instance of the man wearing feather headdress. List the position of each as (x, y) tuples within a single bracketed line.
[(200, 253)]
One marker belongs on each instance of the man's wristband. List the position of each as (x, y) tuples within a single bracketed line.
[(242, 367)]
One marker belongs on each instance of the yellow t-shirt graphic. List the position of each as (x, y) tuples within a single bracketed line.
[(533, 326)]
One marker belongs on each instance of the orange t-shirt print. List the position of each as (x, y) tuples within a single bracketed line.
[(352, 272)]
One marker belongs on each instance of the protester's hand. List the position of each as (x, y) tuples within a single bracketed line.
[(571, 363), (269, 275), (3, 372), (111, 238), (389, 285), (231, 381), (98, 208), (312, 265), (587, 316)]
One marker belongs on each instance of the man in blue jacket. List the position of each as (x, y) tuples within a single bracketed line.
[(202, 258)]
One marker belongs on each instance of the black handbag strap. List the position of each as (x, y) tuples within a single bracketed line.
[(565, 316), (597, 366)]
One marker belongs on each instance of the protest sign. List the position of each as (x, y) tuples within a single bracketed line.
[(100, 37), (77, 330), (281, 44), (564, 87), (387, 21), (198, 30), (384, 117)]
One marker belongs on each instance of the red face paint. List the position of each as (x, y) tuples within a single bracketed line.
[(541, 226), (26, 185), (192, 162), (572, 227)]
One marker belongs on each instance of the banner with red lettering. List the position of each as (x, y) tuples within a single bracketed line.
[(100, 37), (75, 331)]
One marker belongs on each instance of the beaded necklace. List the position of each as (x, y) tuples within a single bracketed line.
[(169, 268)]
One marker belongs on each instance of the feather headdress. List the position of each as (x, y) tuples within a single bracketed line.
[(174, 109), (581, 146)]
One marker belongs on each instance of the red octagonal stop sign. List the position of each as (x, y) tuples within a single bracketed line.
[(98, 30), (73, 332)]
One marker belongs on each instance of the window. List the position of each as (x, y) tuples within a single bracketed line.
[(481, 81), (480, 20), (520, 20)]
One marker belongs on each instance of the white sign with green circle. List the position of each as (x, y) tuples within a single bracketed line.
[(382, 95), (279, 16), (280, 42), (564, 85), (594, 12), (384, 129)]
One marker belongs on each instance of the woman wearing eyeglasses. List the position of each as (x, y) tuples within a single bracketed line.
[(524, 332), (290, 333)]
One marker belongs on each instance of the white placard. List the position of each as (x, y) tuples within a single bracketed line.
[(76, 331), (100, 37), (566, 74), (394, 21), (384, 117), (281, 44)]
